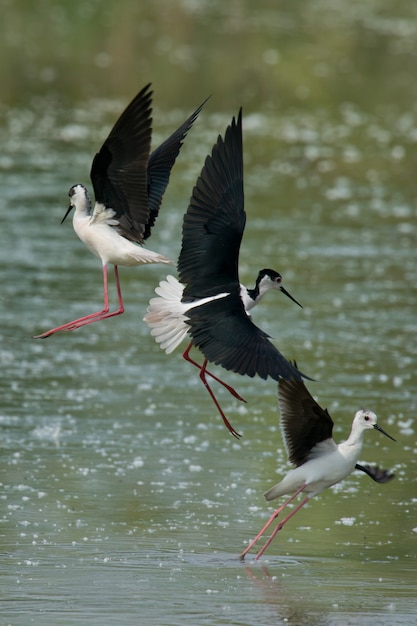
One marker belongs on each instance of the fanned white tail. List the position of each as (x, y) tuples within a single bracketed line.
[(166, 315)]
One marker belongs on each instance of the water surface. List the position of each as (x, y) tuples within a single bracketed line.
[(124, 499)]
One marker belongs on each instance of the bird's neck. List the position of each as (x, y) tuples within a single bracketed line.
[(82, 204), (249, 297), (352, 447)]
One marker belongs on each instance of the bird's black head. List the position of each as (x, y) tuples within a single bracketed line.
[(272, 275), (270, 279)]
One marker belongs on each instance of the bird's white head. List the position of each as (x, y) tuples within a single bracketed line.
[(79, 199), (365, 420)]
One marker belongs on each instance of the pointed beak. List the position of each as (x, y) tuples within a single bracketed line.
[(284, 291), (66, 214), (383, 432)]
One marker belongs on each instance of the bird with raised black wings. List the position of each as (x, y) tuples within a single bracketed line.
[(128, 183), (208, 303), (319, 462)]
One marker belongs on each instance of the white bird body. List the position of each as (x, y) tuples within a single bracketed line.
[(98, 231), (320, 462), (329, 463)]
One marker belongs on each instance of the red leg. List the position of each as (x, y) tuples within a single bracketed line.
[(269, 522), (228, 425), (102, 315), (230, 389), (281, 524), (121, 308), (93, 317), (105, 314)]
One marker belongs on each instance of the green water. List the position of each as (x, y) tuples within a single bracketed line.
[(124, 499)]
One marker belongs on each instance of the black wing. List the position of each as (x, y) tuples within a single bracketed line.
[(160, 164), (208, 265), (226, 336), (376, 473), (118, 172), (304, 423), (215, 220)]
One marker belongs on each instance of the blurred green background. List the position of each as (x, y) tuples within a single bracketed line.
[(269, 53)]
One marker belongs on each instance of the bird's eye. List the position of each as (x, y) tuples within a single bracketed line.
[(366, 418)]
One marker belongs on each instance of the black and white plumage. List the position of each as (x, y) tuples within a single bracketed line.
[(319, 461), (208, 304), (128, 184)]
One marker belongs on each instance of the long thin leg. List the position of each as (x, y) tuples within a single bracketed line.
[(281, 524), (269, 522), (121, 308), (228, 425), (230, 389), (92, 317), (102, 315)]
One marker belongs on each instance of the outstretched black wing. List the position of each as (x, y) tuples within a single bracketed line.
[(215, 220), (208, 265), (119, 169), (160, 164), (226, 336), (304, 423)]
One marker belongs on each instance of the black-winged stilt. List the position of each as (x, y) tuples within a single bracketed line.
[(128, 183), (208, 303), (320, 462)]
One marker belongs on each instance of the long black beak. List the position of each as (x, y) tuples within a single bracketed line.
[(383, 432), (290, 296), (66, 214)]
